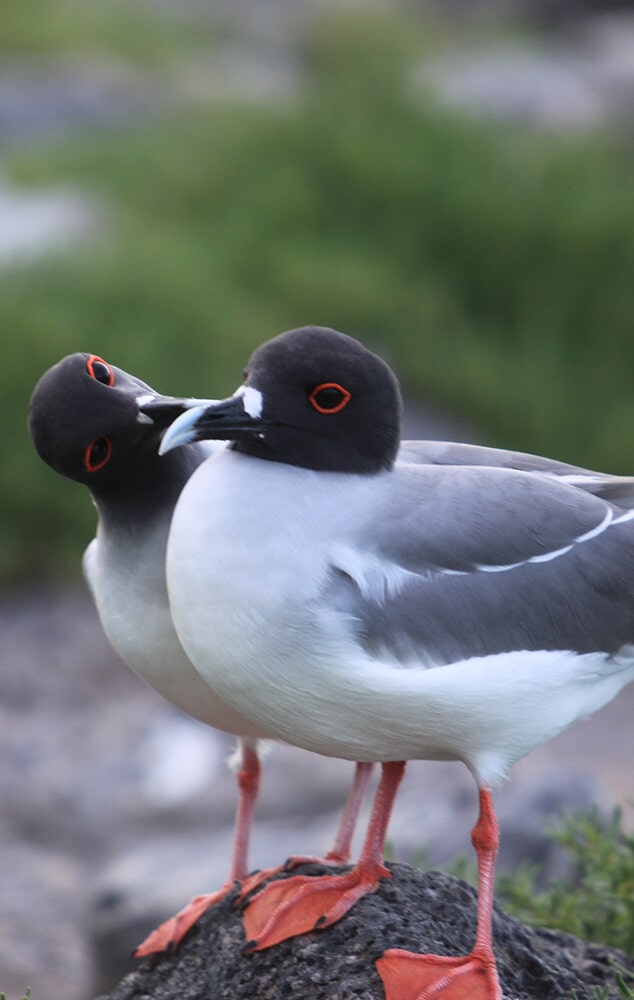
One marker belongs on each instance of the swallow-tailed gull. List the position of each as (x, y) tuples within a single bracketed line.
[(380, 610), (86, 424)]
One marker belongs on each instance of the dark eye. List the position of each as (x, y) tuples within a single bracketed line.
[(97, 454), (329, 397), (99, 370)]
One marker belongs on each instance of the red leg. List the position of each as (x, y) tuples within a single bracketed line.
[(407, 976), (288, 907), (339, 854), (168, 935)]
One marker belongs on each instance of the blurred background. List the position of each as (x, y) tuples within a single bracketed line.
[(452, 183)]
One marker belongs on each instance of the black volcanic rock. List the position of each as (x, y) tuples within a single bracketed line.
[(420, 911)]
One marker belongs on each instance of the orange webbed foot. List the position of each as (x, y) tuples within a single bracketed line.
[(258, 878), (293, 906), (169, 934), (407, 976)]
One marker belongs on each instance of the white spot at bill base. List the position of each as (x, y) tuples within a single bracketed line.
[(146, 398), (251, 400)]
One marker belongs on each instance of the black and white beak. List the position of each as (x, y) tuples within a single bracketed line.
[(239, 416)]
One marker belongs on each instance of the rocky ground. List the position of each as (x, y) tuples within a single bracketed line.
[(413, 910), (116, 809)]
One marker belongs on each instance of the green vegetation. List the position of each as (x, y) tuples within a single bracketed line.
[(597, 904), (101, 29), (492, 268), (604, 993)]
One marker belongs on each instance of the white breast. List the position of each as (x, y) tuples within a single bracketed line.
[(245, 570), (127, 580)]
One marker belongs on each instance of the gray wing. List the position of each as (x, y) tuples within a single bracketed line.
[(470, 561), (617, 489)]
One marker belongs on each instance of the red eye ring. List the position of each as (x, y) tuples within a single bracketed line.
[(92, 465), (91, 364), (345, 397)]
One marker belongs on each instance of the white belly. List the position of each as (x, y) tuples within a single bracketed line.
[(245, 602), (131, 599)]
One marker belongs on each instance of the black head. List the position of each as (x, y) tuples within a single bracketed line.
[(311, 397), (85, 422)]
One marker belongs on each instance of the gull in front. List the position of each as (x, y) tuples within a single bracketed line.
[(375, 609)]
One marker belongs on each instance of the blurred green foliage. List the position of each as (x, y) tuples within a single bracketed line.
[(126, 29), (603, 993), (493, 268), (597, 902)]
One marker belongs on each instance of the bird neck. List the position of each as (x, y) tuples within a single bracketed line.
[(149, 489)]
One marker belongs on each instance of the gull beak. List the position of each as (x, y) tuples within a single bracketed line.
[(163, 410), (238, 416)]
